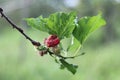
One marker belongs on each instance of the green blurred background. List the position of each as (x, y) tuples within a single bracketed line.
[(19, 60)]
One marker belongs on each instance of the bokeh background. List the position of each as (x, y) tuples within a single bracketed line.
[(19, 60)]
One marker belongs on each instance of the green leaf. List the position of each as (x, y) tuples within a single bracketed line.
[(74, 46), (72, 68), (38, 23), (87, 25), (60, 24)]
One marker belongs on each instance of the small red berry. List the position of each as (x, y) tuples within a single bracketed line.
[(52, 41)]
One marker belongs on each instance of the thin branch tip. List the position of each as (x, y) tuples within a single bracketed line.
[(35, 43), (1, 10)]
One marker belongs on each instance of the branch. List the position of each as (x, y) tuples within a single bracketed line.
[(35, 43)]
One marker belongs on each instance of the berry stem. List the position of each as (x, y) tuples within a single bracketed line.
[(35, 43)]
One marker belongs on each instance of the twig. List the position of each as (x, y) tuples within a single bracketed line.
[(72, 57), (35, 43)]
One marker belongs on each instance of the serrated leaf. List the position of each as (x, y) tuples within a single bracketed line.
[(60, 24), (38, 23), (86, 25), (72, 68)]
